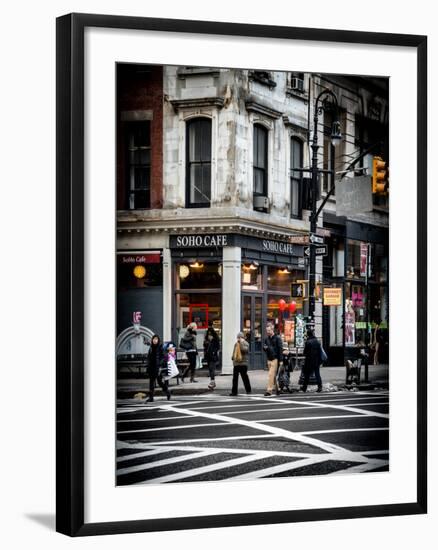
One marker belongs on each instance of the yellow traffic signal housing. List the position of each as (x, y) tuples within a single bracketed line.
[(380, 176)]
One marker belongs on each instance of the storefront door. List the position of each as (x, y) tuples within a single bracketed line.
[(252, 323)]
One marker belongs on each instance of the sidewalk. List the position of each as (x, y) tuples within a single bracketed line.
[(333, 379)]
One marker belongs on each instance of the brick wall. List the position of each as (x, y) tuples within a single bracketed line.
[(140, 93)]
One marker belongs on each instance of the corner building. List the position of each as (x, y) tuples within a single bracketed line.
[(212, 212)]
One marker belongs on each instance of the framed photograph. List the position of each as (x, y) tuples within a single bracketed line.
[(241, 274)]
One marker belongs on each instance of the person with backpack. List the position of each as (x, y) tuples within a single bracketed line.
[(188, 344), (273, 347), (314, 355), (155, 368)]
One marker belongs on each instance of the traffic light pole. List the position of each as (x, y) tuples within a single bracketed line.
[(314, 193)]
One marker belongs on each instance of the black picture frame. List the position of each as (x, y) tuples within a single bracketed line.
[(70, 273)]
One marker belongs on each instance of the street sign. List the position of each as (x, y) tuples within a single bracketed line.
[(299, 239), (319, 250), (316, 239)]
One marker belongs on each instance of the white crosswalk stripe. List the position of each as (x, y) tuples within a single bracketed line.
[(267, 444)]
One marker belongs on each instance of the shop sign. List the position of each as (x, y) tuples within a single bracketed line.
[(127, 259), (221, 240), (332, 296), (200, 241), (280, 247)]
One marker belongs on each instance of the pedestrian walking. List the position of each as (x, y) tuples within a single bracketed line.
[(283, 378), (240, 364), (188, 344), (155, 368), (378, 343), (313, 357), (273, 347), (211, 354)]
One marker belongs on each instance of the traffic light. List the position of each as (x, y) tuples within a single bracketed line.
[(297, 290), (380, 176)]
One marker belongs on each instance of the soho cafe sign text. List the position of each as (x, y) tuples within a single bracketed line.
[(221, 240)]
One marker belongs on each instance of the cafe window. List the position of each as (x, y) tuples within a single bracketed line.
[(198, 297), (280, 278), (251, 276), (198, 163), (138, 155), (201, 308), (282, 312), (196, 274)]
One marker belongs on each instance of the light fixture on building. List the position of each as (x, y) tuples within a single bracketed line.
[(283, 271), (254, 265), (139, 271), (197, 265), (336, 136), (219, 270), (184, 271)]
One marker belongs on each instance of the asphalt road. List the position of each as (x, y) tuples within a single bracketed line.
[(211, 438)]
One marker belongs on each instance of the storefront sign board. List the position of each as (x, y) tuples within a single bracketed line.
[(332, 296)]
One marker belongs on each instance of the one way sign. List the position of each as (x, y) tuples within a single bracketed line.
[(316, 239), (319, 250)]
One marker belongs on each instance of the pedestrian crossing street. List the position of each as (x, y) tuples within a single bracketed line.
[(212, 437)]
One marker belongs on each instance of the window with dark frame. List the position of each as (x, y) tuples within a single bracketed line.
[(296, 161), (138, 155), (198, 164), (260, 161)]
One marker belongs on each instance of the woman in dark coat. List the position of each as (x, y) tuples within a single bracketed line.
[(188, 344), (211, 354), (155, 366)]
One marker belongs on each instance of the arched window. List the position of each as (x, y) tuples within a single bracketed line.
[(296, 161), (260, 161), (198, 163)]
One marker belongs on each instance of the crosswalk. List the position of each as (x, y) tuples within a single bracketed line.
[(214, 438)]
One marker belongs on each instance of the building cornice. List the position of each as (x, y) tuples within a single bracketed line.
[(197, 103), (231, 222), (255, 107)]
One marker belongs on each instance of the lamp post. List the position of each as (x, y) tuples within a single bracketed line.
[(336, 138)]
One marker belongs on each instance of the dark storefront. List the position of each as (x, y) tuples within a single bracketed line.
[(356, 265)]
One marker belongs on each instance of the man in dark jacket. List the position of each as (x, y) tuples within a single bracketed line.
[(273, 347), (313, 360)]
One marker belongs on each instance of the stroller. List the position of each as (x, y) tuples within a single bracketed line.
[(283, 377)]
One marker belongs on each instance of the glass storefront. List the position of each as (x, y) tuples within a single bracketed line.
[(198, 297)]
